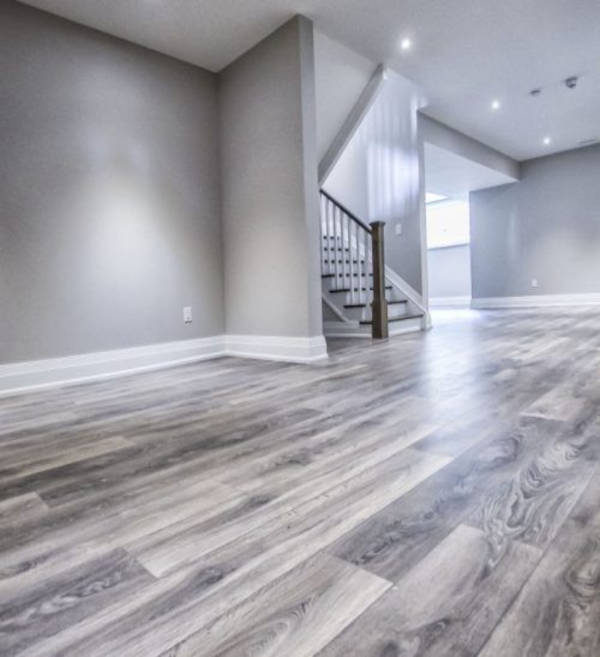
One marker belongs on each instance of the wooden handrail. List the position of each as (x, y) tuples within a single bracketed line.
[(346, 211)]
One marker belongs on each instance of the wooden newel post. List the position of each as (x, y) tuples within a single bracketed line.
[(379, 309)]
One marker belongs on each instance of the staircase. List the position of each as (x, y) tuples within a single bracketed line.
[(365, 299)]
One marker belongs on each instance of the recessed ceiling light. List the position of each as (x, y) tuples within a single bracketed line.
[(495, 104), (406, 44), (547, 141)]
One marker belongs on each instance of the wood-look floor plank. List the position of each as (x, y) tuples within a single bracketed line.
[(446, 606), (186, 600), (61, 484), (165, 551), (569, 400), (65, 537), (336, 451), (394, 540), (294, 616), (557, 613), (18, 467), (532, 503), (39, 610), (21, 509), (455, 438)]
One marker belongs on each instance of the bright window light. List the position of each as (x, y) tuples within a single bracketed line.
[(430, 197), (448, 224)]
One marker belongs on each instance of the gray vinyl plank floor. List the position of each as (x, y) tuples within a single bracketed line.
[(436, 494)]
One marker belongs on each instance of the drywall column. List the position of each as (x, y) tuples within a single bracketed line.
[(269, 187)]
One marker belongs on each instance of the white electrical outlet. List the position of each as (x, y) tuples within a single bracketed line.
[(187, 314), (398, 229), (535, 282)]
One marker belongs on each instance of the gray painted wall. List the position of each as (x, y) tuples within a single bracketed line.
[(109, 193), (547, 226), (449, 270), (442, 136), (269, 187), (378, 176), (340, 77)]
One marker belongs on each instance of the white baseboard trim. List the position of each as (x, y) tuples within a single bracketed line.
[(37, 374), (445, 302), (537, 301), (50, 372), (268, 347)]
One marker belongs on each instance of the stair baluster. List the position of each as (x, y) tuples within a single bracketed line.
[(354, 255), (362, 297), (322, 234), (343, 223), (336, 243), (350, 258)]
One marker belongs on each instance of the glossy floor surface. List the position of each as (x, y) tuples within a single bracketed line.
[(437, 494)]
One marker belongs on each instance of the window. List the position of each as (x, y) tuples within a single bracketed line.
[(447, 224)]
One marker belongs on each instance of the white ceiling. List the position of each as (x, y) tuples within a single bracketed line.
[(465, 52), (454, 176)]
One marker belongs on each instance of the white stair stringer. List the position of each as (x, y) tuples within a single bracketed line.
[(409, 292)]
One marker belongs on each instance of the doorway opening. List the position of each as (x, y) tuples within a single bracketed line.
[(448, 249)]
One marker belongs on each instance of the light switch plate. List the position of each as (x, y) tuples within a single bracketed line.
[(535, 282), (187, 314), (398, 229)]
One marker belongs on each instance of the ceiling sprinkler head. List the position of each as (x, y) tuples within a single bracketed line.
[(535, 92), (571, 82)]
